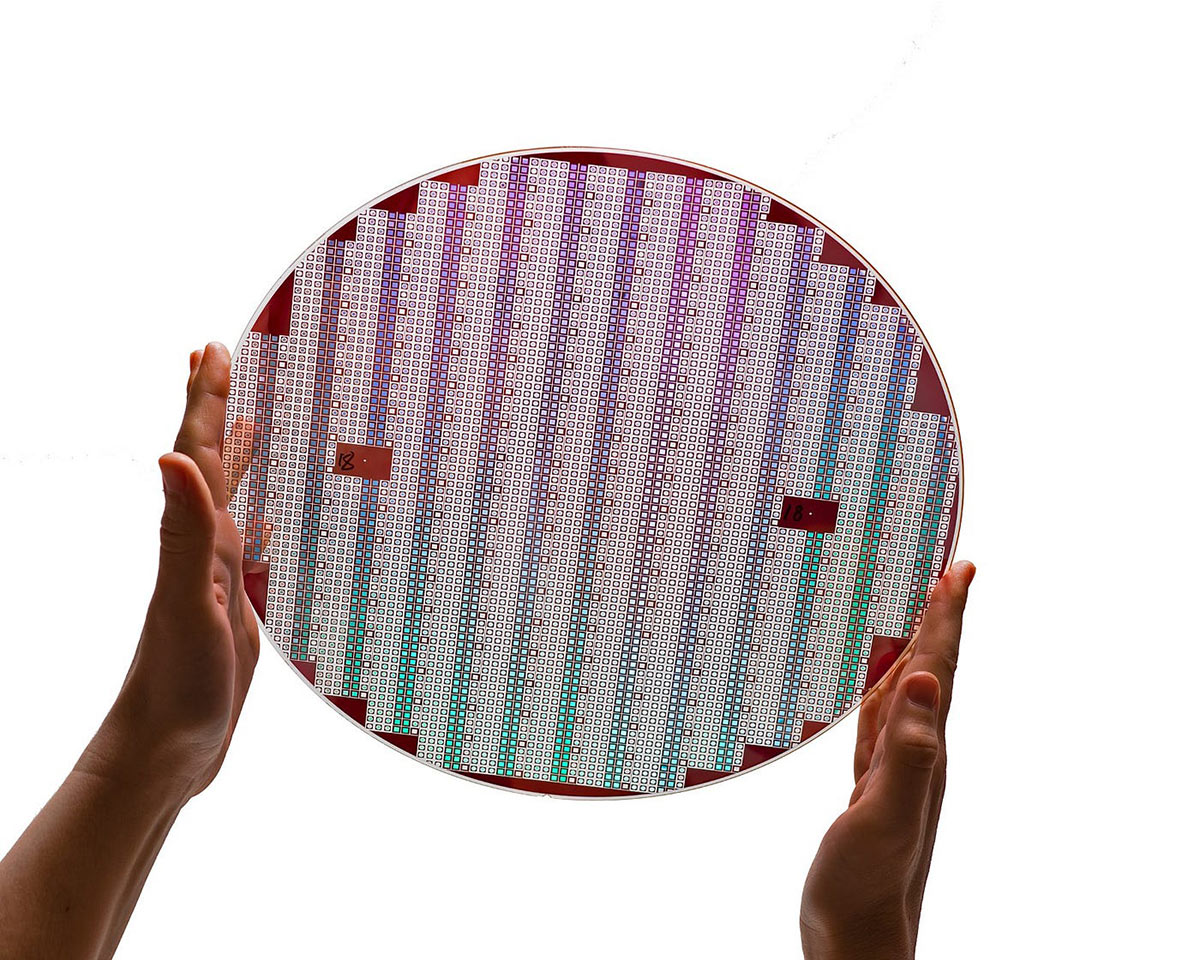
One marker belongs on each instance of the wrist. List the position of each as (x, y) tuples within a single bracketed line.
[(128, 754), (867, 940)]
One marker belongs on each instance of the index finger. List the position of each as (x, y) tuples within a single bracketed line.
[(936, 646), (202, 433), (239, 448), (871, 714)]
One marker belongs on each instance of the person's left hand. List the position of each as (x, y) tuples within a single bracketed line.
[(184, 691)]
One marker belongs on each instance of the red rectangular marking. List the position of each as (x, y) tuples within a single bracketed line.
[(363, 460), (802, 513)]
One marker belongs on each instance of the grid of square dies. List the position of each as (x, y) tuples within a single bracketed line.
[(596, 379)]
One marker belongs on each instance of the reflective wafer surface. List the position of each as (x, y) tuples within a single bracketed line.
[(590, 473)]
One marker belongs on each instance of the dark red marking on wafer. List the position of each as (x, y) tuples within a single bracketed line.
[(756, 753), (752, 755), (352, 707), (546, 786), (882, 296), (811, 728), (884, 652), (804, 513), (405, 201), (363, 460), (405, 741), (402, 201), (833, 251), (931, 395), (694, 776), (628, 162), (346, 232), (276, 317), (308, 669), (463, 176), (779, 212)]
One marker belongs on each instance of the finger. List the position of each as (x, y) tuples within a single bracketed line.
[(900, 786), (193, 365), (895, 676), (239, 448), (936, 647), (227, 570), (201, 434), (873, 714), (868, 731), (187, 534)]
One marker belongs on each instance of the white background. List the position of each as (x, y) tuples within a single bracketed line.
[(1023, 175)]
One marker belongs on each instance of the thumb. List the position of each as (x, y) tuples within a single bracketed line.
[(911, 749), (188, 532)]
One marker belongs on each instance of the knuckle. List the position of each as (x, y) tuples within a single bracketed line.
[(193, 435), (946, 660), (937, 659), (919, 747), (181, 531), (174, 535)]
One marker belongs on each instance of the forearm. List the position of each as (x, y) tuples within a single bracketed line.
[(69, 884)]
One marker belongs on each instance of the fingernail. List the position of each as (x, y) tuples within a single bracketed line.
[(172, 479), (922, 689)]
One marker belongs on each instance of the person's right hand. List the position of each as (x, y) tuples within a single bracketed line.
[(184, 691), (864, 891)]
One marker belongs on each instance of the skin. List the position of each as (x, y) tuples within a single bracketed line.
[(70, 882), (864, 891)]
